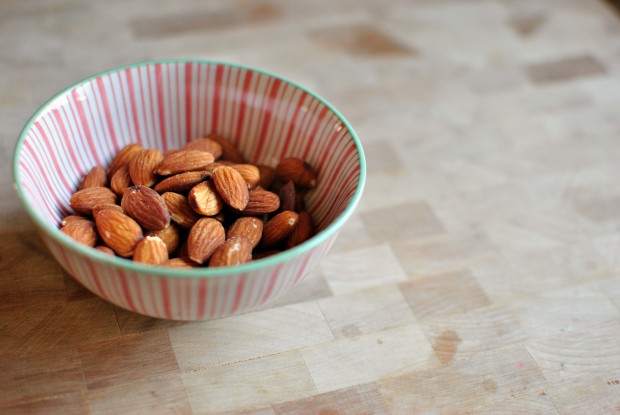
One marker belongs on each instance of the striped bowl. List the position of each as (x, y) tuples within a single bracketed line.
[(164, 104)]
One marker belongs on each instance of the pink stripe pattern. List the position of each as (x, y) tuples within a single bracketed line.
[(164, 105)]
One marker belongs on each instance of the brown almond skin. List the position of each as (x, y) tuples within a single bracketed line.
[(170, 235), (203, 239), (278, 228), (302, 231), (123, 158), (104, 206), (250, 174), (96, 177), (118, 231), (229, 151), (71, 218), (233, 251), (205, 200), (261, 201), (82, 231), (287, 196), (204, 144), (264, 253), (181, 183), (151, 250), (120, 181), (184, 161), (105, 250), (142, 166), (146, 207), (248, 227), (295, 169), (267, 174), (180, 210), (231, 187), (179, 263), (83, 201)]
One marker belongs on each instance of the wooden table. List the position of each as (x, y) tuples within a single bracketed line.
[(481, 272)]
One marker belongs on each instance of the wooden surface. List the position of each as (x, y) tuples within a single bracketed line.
[(480, 274)]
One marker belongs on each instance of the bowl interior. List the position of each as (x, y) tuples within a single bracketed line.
[(164, 105)]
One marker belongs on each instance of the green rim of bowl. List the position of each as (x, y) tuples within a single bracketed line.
[(281, 258)]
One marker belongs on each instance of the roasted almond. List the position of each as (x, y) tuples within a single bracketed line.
[(250, 174), (205, 200), (83, 201), (287, 196), (231, 187), (229, 151), (180, 210), (147, 207), (267, 174), (248, 227), (123, 158), (278, 228), (302, 231), (204, 144), (120, 181), (233, 251), (261, 201), (179, 263), (71, 218), (170, 235), (295, 169), (103, 206), (118, 231), (105, 250), (184, 161), (204, 238), (82, 231), (264, 253), (142, 166), (96, 177), (150, 250), (211, 167), (181, 183)]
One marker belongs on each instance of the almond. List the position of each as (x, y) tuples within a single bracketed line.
[(118, 231), (120, 181), (123, 158), (181, 183), (142, 166), (233, 251), (261, 201), (184, 161), (103, 206), (71, 218), (229, 151), (250, 174), (180, 210), (231, 186), (105, 250), (96, 177), (300, 203), (204, 199), (248, 227), (295, 169), (147, 207), (204, 144), (171, 151), (179, 263), (264, 253), (302, 231), (267, 174), (171, 237), (204, 238), (287, 196), (83, 201), (211, 167), (150, 250), (278, 228), (219, 217), (82, 231)]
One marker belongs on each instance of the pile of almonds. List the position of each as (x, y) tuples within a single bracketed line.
[(196, 206)]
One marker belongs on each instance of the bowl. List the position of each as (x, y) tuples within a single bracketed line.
[(164, 104)]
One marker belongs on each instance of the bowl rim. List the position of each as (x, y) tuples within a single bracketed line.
[(127, 264)]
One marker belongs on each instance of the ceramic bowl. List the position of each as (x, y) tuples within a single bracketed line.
[(164, 104)]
